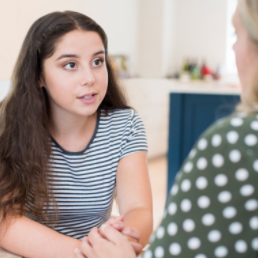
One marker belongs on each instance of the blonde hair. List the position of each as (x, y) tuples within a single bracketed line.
[(248, 11)]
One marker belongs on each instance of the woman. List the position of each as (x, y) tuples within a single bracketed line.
[(213, 206), (69, 143)]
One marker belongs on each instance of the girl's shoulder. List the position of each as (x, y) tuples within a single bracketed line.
[(119, 115)]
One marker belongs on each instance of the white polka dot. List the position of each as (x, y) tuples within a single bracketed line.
[(217, 160), (216, 140), (148, 254), (214, 236), (232, 137), (235, 156), (208, 219), (255, 244), (203, 202), (186, 205), (235, 228), (192, 153), (221, 251), (160, 232), (236, 122), (172, 229), (255, 166), (229, 212), (221, 180), (188, 225), (247, 190), (174, 189), (224, 196), (253, 223), (194, 243), (250, 140), (242, 174), (200, 256), (188, 167), (159, 252), (202, 144), (152, 238), (175, 249), (241, 246), (186, 185), (201, 183), (201, 163), (172, 208), (251, 205), (254, 125)]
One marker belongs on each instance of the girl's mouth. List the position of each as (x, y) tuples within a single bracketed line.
[(88, 99)]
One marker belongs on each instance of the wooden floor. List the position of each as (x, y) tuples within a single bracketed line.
[(158, 178)]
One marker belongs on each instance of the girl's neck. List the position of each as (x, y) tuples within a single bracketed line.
[(72, 133)]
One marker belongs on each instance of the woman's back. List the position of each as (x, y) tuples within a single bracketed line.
[(213, 207)]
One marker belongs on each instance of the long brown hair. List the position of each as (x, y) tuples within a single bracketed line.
[(24, 117)]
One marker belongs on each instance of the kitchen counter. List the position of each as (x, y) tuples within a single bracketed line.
[(150, 98)]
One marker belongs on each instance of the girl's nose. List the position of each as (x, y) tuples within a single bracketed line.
[(88, 78)]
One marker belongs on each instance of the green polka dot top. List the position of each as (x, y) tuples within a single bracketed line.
[(212, 210)]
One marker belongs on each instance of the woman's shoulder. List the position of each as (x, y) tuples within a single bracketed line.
[(234, 126), (228, 143)]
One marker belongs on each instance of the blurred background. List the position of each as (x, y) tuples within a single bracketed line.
[(174, 58)]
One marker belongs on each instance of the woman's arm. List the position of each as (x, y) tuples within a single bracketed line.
[(30, 239), (134, 194)]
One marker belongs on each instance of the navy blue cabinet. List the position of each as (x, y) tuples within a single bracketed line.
[(189, 116)]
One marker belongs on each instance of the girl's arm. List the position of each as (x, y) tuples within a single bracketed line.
[(134, 194), (30, 239)]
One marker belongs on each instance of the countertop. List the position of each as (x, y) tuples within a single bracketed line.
[(195, 87)]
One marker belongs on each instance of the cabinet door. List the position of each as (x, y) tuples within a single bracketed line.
[(190, 115)]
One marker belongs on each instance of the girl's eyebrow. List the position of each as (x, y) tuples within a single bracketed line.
[(75, 56), (99, 52), (66, 55)]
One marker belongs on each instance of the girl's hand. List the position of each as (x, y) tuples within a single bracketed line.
[(114, 245), (116, 223), (132, 234)]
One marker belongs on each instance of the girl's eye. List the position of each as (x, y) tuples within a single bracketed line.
[(70, 66), (98, 62)]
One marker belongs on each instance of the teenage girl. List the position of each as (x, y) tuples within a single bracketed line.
[(69, 143)]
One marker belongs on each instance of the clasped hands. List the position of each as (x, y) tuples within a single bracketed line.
[(112, 239)]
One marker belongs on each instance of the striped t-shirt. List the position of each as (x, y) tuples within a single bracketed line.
[(84, 182)]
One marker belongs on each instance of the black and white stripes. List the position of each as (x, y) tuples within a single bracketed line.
[(84, 182)]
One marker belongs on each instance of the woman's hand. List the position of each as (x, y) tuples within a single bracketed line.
[(114, 245)]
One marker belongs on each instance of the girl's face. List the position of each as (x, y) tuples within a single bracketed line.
[(246, 54), (75, 76)]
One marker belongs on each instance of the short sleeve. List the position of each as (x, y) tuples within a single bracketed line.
[(134, 137), (212, 210)]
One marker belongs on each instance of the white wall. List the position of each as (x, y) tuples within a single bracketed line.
[(119, 18), (150, 38), (155, 37), (200, 31), (156, 34), (172, 30)]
